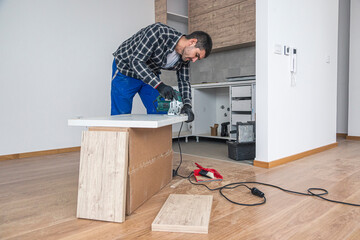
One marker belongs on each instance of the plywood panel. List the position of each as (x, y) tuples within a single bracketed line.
[(184, 213), (102, 176), (150, 152)]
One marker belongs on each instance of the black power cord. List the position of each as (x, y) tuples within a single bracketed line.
[(175, 172), (255, 191)]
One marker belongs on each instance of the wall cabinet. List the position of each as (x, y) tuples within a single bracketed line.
[(230, 23), (161, 11)]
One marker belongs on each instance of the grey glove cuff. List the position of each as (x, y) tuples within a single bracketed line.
[(188, 111)]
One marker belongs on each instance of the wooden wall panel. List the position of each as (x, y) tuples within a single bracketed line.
[(230, 26), (161, 11), (217, 4), (202, 22), (198, 7)]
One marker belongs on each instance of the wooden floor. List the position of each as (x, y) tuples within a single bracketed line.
[(38, 200)]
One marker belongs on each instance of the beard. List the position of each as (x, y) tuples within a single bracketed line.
[(186, 53)]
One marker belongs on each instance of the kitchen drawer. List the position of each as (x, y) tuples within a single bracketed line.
[(240, 118), (241, 105), (241, 91)]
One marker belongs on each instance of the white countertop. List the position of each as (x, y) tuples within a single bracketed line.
[(222, 84), (129, 120)]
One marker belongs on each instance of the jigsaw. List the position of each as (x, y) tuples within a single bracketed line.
[(172, 107)]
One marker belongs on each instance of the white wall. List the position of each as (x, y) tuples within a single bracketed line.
[(294, 119), (55, 64), (262, 71), (343, 67), (354, 72)]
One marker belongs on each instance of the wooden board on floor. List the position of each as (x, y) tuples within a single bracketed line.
[(184, 213), (102, 176), (38, 200)]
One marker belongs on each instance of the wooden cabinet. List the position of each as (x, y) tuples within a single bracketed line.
[(161, 11), (230, 23), (198, 7)]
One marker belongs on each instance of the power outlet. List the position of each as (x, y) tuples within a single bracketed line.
[(287, 50)]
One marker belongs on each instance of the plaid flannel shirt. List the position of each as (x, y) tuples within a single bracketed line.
[(145, 53)]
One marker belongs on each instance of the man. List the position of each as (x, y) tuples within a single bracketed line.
[(138, 61)]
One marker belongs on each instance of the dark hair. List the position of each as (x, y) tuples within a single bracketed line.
[(203, 41)]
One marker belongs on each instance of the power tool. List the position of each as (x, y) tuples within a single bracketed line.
[(172, 107)]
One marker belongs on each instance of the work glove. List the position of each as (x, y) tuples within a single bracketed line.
[(166, 91), (187, 110)]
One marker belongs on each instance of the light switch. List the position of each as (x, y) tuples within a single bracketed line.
[(327, 59), (278, 49)]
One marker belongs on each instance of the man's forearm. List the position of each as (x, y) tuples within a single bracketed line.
[(145, 74)]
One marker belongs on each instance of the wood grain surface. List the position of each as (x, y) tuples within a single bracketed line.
[(38, 198), (184, 213), (102, 176), (230, 23), (161, 11), (293, 157), (39, 153)]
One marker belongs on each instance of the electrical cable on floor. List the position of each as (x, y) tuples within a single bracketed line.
[(254, 190)]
